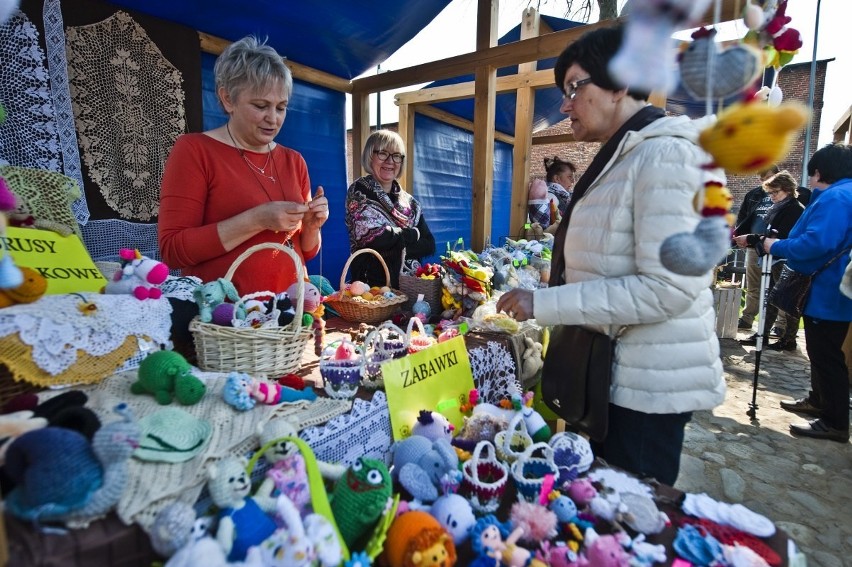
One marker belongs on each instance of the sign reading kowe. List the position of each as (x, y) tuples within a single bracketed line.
[(62, 260), (438, 378)]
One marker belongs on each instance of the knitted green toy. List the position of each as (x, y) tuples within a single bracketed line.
[(166, 374), (360, 498)]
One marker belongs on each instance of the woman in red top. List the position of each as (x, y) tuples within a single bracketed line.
[(232, 187)]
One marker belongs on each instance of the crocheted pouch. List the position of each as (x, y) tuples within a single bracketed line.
[(383, 343), (484, 479), (341, 377), (420, 340), (514, 440), (529, 471)]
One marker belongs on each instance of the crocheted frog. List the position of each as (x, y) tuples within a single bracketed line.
[(360, 498), (166, 374)]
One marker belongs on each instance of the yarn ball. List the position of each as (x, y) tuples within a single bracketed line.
[(358, 288), (455, 515), (223, 314), (414, 533), (421, 307)]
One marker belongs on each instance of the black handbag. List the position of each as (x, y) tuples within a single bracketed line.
[(576, 378), (791, 290)]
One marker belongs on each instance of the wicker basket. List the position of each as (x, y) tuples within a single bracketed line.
[(412, 286), (357, 310), (265, 351)]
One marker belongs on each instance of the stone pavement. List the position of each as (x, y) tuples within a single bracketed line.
[(803, 485)]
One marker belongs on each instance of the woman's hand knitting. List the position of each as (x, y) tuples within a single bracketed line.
[(317, 212)]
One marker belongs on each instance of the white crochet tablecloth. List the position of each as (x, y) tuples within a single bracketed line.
[(57, 326)]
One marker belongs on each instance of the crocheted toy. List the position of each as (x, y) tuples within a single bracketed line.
[(420, 464), (582, 492), (733, 69), (139, 276), (696, 253), (536, 522), (313, 306), (15, 424), (455, 515), (602, 551), (33, 286), (60, 475), (416, 539), (531, 361), (769, 30), (749, 137), (271, 393), (360, 498), (166, 374), (491, 538), (645, 60), (208, 295), (433, 426), (237, 391), (242, 523), (172, 528)]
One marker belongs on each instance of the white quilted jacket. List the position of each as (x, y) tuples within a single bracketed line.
[(667, 356)]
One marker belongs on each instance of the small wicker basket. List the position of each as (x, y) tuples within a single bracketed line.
[(432, 290), (358, 310), (263, 351)]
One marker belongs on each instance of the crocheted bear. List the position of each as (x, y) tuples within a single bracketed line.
[(166, 374)]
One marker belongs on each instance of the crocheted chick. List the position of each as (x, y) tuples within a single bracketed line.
[(433, 426), (166, 374), (33, 286), (416, 539), (242, 523), (60, 475), (696, 253), (360, 498), (749, 137)]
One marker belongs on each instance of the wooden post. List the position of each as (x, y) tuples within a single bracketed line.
[(360, 130)]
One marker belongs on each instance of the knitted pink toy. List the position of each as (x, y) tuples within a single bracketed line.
[(139, 276)]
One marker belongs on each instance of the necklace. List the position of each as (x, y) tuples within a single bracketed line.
[(261, 170)]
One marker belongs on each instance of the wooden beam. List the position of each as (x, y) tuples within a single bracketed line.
[(360, 131), (484, 105), (515, 53), (406, 130), (457, 121), (553, 139), (524, 114), (459, 91), (216, 45)]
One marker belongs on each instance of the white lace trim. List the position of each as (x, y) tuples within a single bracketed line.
[(364, 431), (28, 136), (55, 327), (494, 373)]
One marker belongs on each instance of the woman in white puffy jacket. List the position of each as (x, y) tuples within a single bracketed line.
[(638, 191)]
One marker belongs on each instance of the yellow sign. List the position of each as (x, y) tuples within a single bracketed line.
[(62, 260), (438, 378)]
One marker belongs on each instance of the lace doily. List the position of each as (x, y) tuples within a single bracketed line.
[(151, 485), (28, 136), (494, 373), (180, 287), (129, 111), (56, 327), (45, 195), (104, 238), (364, 431)]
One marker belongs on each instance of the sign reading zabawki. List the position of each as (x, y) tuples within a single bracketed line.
[(438, 378), (62, 260)]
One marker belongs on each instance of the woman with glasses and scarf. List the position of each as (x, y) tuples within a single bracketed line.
[(785, 210), (381, 215), (607, 275)]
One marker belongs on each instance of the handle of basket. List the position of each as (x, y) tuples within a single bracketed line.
[(355, 255), (516, 424), (486, 446), (379, 338), (415, 322), (546, 450), (331, 348), (300, 274)]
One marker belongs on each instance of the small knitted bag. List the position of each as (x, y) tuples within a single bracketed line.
[(528, 471), (341, 377), (421, 340), (514, 440), (380, 345), (484, 479)]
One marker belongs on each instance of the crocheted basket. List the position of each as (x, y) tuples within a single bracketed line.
[(341, 377), (421, 340), (379, 346), (514, 440), (359, 310), (484, 479), (528, 471), (271, 351)]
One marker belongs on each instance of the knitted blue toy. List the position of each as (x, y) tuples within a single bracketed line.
[(237, 391)]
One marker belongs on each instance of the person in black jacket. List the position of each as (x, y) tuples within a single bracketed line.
[(779, 219), (750, 221)]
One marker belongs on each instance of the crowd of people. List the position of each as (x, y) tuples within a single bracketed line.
[(232, 187)]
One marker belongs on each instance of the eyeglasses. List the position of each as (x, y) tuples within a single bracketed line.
[(573, 87), (383, 156), (774, 192)]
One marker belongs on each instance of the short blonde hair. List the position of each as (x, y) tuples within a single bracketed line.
[(250, 65), (783, 181), (379, 140)]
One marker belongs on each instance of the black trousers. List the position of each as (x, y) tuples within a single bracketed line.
[(829, 373), (646, 444)]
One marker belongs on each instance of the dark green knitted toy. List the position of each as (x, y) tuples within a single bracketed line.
[(166, 374), (360, 498)]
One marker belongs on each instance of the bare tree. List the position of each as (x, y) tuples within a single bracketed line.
[(581, 10)]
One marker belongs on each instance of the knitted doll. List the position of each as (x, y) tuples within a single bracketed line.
[(360, 498), (242, 523)]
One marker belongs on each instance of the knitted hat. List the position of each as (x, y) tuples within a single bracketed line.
[(412, 533), (172, 435)]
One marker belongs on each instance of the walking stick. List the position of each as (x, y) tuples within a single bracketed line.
[(765, 274)]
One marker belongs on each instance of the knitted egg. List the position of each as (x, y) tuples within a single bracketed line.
[(358, 288), (223, 314), (421, 307)]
